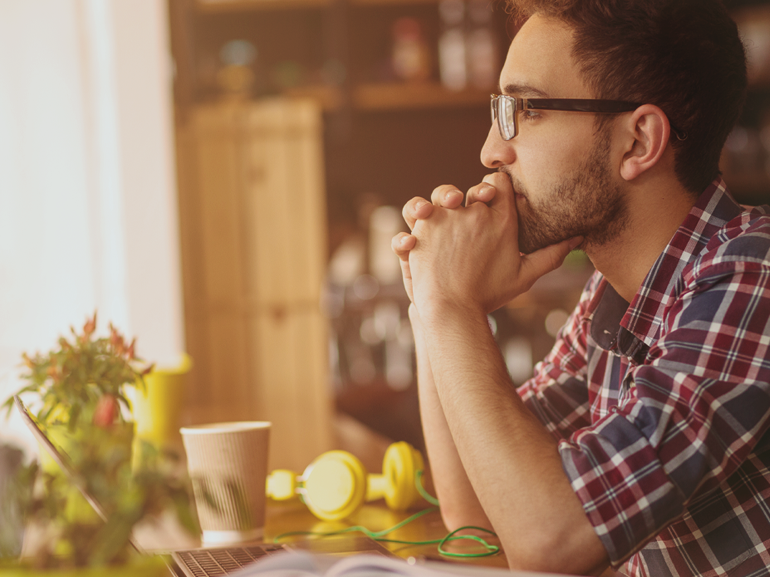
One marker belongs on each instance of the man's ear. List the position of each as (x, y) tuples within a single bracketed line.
[(647, 131)]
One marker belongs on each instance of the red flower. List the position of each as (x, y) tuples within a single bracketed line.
[(90, 326), (106, 411), (116, 341), (130, 350)]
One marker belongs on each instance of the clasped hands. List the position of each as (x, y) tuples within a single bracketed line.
[(467, 255)]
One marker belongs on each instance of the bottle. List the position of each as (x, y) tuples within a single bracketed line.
[(483, 64), (411, 60), (453, 68), (236, 77)]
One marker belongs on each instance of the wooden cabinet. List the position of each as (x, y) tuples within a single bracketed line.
[(253, 226)]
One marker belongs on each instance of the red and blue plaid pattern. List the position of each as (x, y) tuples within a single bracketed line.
[(662, 407)]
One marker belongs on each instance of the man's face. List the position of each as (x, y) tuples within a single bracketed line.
[(559, 164)]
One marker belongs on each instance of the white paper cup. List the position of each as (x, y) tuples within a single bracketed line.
[(227, 463)]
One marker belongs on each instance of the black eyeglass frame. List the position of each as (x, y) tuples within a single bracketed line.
[(562, 104)]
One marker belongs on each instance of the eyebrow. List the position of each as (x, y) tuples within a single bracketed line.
[(524, 91)]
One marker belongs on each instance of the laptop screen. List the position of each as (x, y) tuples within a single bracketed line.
[(60, 458)]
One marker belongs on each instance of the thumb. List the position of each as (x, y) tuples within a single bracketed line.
[(543, 261), (503, 198)]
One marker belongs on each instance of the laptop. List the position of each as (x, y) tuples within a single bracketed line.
[(211, 561)]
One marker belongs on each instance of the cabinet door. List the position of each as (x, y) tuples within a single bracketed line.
[(252, 206)]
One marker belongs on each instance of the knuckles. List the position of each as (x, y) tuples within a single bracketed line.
[(400, 243), (410, 210), (439, 195)]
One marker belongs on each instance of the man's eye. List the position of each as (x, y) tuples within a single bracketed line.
[(529, 114)]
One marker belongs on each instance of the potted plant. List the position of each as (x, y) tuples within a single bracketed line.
[(77, 393), (84, 379), (78, 385)]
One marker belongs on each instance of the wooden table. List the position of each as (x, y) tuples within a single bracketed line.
[(294, 516), (283, 518)]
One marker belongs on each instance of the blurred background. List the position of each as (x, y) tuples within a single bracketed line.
[(223, 177)]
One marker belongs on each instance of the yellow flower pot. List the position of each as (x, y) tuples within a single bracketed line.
[(157, 407)]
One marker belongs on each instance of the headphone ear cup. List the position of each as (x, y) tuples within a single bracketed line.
[(399, 467), (281, 485), (334, 485)]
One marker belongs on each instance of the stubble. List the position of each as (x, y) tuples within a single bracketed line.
[(586, 203)]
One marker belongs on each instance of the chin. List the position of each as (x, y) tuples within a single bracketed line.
[(525, 247)]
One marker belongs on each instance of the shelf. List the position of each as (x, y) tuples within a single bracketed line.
[(396, 96), (329, 97), (209, 6), (247, 5), (390, 2), (384, 97)]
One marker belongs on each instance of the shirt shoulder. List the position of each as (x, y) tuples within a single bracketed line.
[(749, 230), (741, 245)]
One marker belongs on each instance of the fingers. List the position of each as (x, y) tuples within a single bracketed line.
[(416, 209), (447, 196), (503, 197), (483, 192), (402, 243), (543, 261)]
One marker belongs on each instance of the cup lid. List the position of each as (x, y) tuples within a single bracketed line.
[(228, 427)]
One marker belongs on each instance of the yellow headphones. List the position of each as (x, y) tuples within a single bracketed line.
[(336, 483)]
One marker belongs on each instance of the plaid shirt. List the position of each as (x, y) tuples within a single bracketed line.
[(662, 407)]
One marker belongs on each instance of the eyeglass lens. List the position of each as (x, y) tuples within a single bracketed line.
[(504, 111)]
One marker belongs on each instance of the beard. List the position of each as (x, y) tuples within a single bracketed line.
[(586, 203)]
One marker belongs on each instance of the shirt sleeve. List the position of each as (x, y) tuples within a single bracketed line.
[(688, 417), (558, 394)]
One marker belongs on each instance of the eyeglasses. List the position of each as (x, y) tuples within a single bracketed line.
[(505, 109)]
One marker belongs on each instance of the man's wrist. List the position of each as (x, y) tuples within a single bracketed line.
[(440, 310)]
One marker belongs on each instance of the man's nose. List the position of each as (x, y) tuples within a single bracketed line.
[(496, 152)]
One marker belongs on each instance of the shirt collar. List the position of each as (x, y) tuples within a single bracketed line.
[(615, 324)]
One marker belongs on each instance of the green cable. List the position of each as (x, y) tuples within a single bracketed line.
[(380, 535), (421, 490), (490, 549), (376, 535)]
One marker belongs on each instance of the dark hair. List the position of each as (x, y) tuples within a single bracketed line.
[(684, 56)]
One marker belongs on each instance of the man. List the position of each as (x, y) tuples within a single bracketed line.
[(642, 440)]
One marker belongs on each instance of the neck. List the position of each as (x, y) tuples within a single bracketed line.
[(656, 209)]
